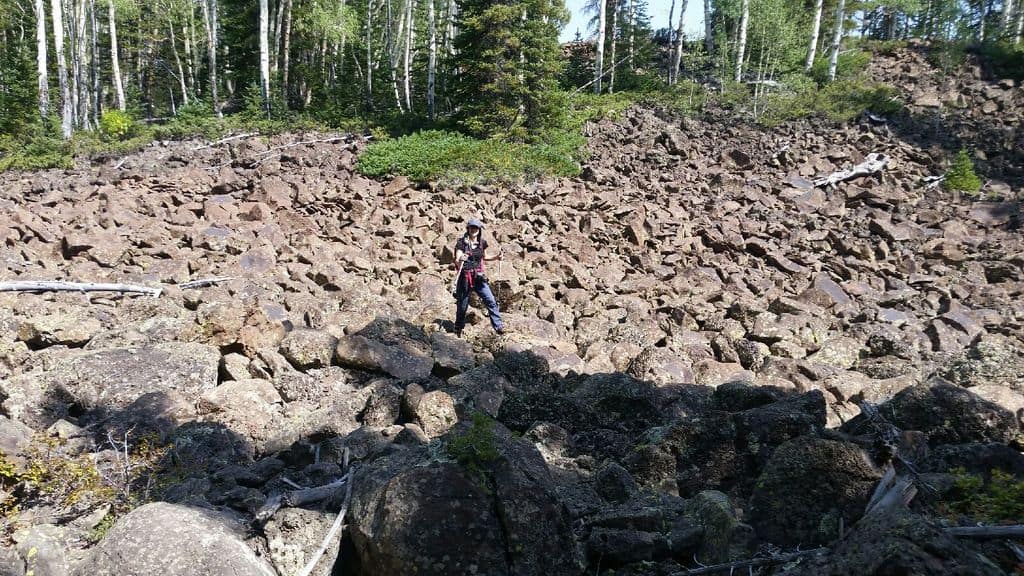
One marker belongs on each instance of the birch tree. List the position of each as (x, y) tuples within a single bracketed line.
[(614, 44), (264, 32), (812, 49), (1006, 19), (677, 52), (67, 106), (115, 58), (1020, 26), (602, 8), (742, 42), (410, 6), (837, 38), (431, 59), (209, 8), (709, 28), (43, 80)]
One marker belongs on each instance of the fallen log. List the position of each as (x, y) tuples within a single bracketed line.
[(311, 565), (58, 286), (225, 140), (298, 498), (982, 532), (203, 283), (874, 162), (751, 563)]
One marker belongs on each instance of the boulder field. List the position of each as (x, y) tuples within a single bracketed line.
[(709, 358)]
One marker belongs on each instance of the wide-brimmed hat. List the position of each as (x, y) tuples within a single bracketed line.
[(475, 223)]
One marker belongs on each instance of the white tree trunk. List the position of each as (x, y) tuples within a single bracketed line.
[(189, 30), (264, 33), (177, 60), (80, 61), (369, 54), (1006, 20), (287, 49), (115, 59), (41, 59), (812, 49), (431, 59), (709, 28), (1019, 33), (631, 17), (410, 6), (677, 55), (67, 106), (741, 51), (210, 19), (599, 61), (615, 37), (837, 39), (94, 60)]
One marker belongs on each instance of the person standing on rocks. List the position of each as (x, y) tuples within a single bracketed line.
[(470, 254)]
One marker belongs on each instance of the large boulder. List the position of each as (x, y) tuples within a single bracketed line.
[(808, 488), (415, 515), (174, 540), (948, 414), (401, 361), (990, 359), (898, 543), (306, 348), (110, 380)]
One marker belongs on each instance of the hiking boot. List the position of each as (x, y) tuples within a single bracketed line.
[(499, 331), (458, 333)]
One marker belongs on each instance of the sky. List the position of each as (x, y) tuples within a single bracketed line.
[(693, 21)]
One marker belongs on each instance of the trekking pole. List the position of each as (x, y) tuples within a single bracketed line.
[(455, 283)]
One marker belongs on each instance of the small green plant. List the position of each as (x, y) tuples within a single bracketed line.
[(1000, 500), (115, 124), (477, 447), (961, 176)]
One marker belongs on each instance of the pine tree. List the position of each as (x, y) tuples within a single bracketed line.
[(509, 65)]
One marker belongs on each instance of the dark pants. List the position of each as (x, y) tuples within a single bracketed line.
[(462, 303)]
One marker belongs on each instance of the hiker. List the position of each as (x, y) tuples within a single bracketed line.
[(470, 254)]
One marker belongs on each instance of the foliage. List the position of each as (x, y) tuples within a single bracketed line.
[(961, 176), (36, 149), (115, 124), (839, 101), (849, 64), (999, 500), (477, 447), (459, 159), (66, 480), (1005, 60), (509, 66)]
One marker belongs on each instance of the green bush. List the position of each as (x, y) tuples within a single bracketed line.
[(999, 500), (115, 124), (839, 101), (459, 159), (477, 447), (960, 176), (1005, 60), (37, 149), (848, 65)]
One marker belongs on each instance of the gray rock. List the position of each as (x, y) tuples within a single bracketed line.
[(614, 483), (435, 413), (294, 534), (403, 362), (306, 348), (44, 550), (174, 540), (808, 488)]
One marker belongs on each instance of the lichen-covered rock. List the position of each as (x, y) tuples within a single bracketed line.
[(990, 359), (174, 540), (948, 414), (414, 515), (725, 537), (306, 348), (898, 543), (809, 486)]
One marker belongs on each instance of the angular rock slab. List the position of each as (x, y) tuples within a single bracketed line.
[(174, 540)]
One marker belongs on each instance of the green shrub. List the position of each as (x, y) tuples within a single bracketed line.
[(477, 447), (37, 149), (115, 124), (960, 176), (1005, 60), (848, 65), (839, 101), (459, 159), (1000, 500)]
